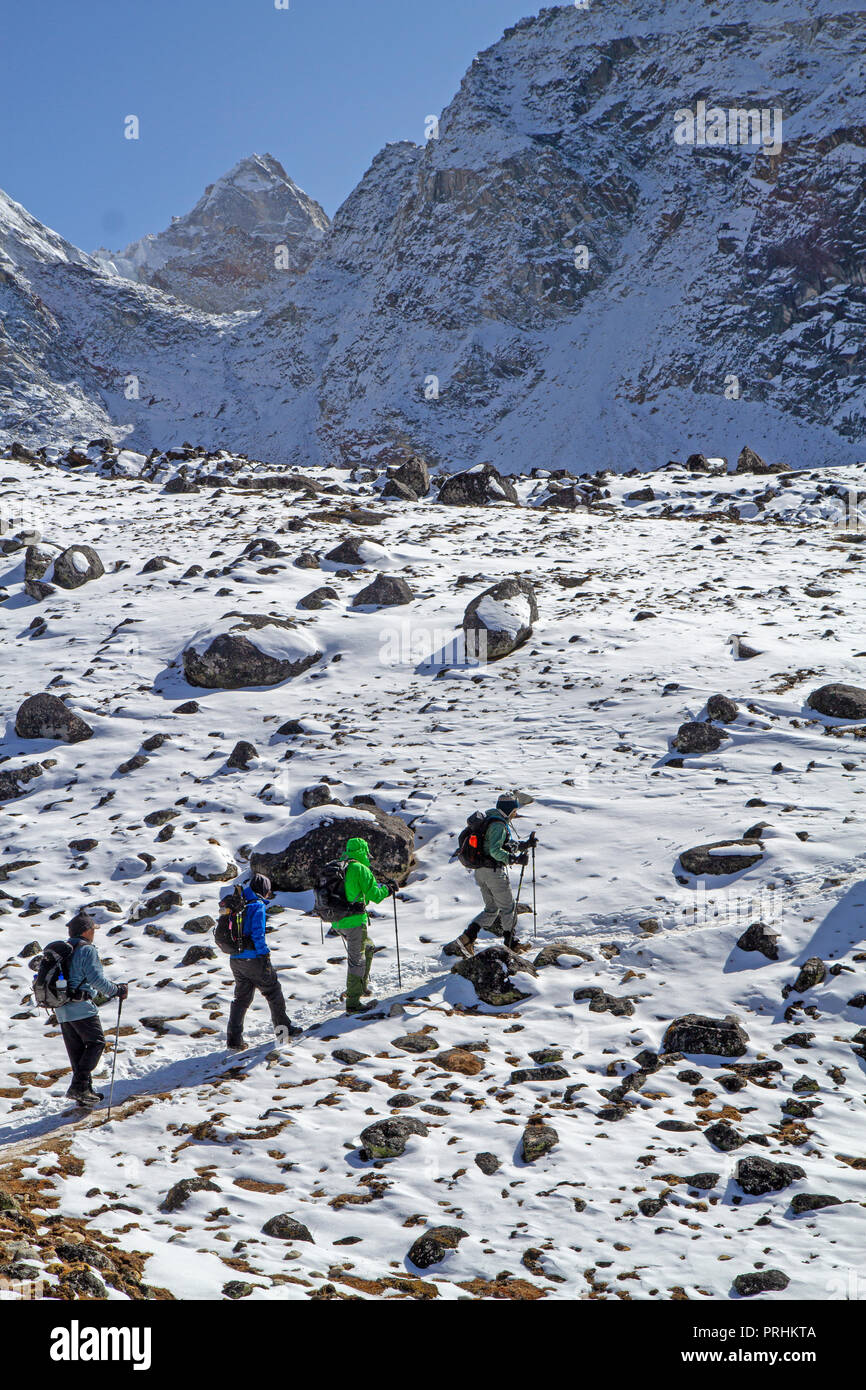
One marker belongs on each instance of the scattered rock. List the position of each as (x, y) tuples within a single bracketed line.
[(198, 953), (14, 782), (715, 1037), (477, 487), (721, 708), (839, 701), (602, 1003), (432, 1247), (179, 1195), (758, 1176), (813, 1201), (722, 857), (242, 755), (388, 1138), (812, 973), (385, 591), (292, 858), (242, 652), (551, 1072), (550, 954), (759, 937), (46, 716), (490, 971), (538, 1140), (284, 1227), (760, 1281), (696, 737), (488, 1163), (357, 551), (317, 598)]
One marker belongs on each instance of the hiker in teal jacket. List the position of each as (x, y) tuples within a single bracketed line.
[(361, 888)]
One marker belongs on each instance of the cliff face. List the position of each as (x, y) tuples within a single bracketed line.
[(557, 278)]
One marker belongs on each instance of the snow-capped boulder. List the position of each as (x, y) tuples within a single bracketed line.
[(722, 857), (567, 496), (46, 716), (477, 487), (47, 568), (839, 701), (500, 620), (209, 863), (490, 973), (248, 650), (294, 856), (385, 591), (13, 781), (355, 551)]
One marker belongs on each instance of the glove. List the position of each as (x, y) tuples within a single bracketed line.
[(532, 841), (122, 992), (392, 886), (522, 858)]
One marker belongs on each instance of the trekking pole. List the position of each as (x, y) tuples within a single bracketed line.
[(534, 913), (517, 901), (397, 938), (114, 1055)]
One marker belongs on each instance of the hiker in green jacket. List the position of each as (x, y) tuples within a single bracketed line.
[(361, 888)]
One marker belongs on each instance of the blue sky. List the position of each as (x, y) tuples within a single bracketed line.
[(322, 85)]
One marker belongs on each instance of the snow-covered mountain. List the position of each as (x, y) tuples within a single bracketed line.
[(251, 230), (719, 296)]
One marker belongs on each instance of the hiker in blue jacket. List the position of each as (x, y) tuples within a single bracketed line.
[(252, 969), (79, 1019)]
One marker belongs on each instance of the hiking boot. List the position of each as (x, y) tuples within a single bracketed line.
[(518, 946), (86, 1100), (236, 1045), (356, 1007), (465, 946)]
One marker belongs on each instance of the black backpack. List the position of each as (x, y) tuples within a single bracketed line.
[(51, 982), (228, 934), (331, 901), (470, 842)]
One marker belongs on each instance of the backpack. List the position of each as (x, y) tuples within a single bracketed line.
[(228, 934), (470, 842), (330, 888), (51, 986)]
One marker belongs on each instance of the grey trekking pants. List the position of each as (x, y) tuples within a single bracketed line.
[(498, 902)]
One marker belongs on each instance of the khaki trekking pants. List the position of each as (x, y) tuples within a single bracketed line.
[(359, 949), (498, 902)]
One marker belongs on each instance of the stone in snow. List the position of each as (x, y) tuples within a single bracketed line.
[(244, 651), (293, 856), (46, 716), (499, 620), (839, 701)]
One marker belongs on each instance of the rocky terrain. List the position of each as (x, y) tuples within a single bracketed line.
[(550, 280), (211, 663)]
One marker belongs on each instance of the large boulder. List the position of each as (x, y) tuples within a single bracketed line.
[(500, 620), (243, 651), (757, 1176), (699, 737), (412, 473), (293, 857), (432, 1247), (839, 701), (721, 857), (750, 462), (477, 487), (46, 716), (356, 551), (388, 1138), (46, 569), (385, 591), (715, 1037), (760, 1281), (490, 972)]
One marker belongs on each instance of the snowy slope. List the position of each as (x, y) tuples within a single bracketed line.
[(445, 305), (580, 719)]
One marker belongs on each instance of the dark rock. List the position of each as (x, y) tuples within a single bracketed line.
[(317, 598), (355, 551), (706, 860), (46, 716), (394, 488), (643, 494), (750, 462), (758, 1176), (199, 925), (83, 1283), (232, 660), (812, 973), (721, 708), (857, 1001), (714, 1037), (197, 953), (179, 1195), (552, 1072), (348, 1056), (432, 1247), (813, 1201), (499, 620), (839, 701), (388, 1138), (602, 1003), (703, 1181), (318, 795), (157, 563), (723, 1136), (696, 737), (284, 1227), (760, 1281), (153, 907), (490, 971), (488, 1163), (76, 566), (538, 1140), (242, 755), (651, 1206), (13, 783), (416, 1042), (759, 937), (477, 487), (414, 474), (550, 954), (385, 591), (156, 818), (235, 1288), (295, 868), (677, 1126)]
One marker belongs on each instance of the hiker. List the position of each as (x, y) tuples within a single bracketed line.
[(79, 1019), (498, 847), (252, 969), (360, 888)]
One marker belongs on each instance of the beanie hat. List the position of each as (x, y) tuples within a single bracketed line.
[(507, 803), (80, 923), (261, 885)]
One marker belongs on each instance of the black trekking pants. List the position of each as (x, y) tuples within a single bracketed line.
[(252, 975), (85, 1044)]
